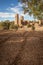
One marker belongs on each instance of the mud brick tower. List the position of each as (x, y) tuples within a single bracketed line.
[(21, 20), (17, 19)]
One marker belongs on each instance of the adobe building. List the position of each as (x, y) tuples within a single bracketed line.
[(17, 19), (21, 19)]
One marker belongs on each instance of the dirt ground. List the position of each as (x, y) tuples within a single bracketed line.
[(21, 48)]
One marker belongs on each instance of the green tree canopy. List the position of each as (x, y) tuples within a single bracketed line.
[(33, 7)]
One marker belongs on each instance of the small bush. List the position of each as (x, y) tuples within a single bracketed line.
[(1, 27), (12, 25), (33, 27), (16, 27), (5, 25), (28, 25)]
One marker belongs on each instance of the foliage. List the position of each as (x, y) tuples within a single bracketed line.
[(12, 25), (28, 25), (33, 27), (33, 7), (1, 27), (16, 27), (6, 24)]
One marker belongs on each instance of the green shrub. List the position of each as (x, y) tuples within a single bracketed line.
[(33, 27), (1, 27), (5, 25), (12, 25), (16, 27), (28, 25)]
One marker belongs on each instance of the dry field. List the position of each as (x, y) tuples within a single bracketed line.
[(21, 48)]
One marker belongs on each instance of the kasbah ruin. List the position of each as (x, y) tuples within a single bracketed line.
[(21, 22)]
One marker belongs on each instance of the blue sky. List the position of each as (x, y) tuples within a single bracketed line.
[(8, 9)]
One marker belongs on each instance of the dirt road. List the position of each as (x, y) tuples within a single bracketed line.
[(21, 48)]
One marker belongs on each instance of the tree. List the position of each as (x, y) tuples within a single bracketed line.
[(12, 25), (33, 7), (33, 27), (1, 27), (6, 24)]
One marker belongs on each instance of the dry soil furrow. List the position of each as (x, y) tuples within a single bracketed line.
[(7, 44), (25, 52), (5, 37), (17, 59)]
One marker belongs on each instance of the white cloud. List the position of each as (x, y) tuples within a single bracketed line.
[(12, 4), (6, 15), (13, 11), (20, 4), (16, 9)]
